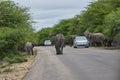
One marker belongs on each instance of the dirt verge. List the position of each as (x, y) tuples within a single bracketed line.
[(15, 71)]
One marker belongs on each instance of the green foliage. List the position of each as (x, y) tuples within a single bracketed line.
[(11, 58), (112, 24), (9, 40), (43, 35), (93, 17), (62, 27), (11, 15), (15, 29)]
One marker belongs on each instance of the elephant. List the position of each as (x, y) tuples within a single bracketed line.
[(58, 41), (95, 38), (71, 40), (29, 48), (108, 42), (116, 42)]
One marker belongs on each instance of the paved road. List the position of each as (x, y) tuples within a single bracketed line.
[(75, 64)]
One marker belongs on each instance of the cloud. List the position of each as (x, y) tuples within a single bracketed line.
[(44, 23), (54, 4), (47, 18), (46, 13)]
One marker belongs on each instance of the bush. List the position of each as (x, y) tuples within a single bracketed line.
[(9, 41), (15, 59)]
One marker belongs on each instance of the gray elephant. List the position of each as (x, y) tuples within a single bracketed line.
[(71, 40), (58, 41), (29, 48), (116, 42), (94, 38)]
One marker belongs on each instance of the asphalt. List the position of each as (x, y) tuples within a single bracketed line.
[(75, 64), (47, 67)]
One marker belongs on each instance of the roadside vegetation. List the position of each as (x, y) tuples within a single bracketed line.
[(15, 71), (15, 30)]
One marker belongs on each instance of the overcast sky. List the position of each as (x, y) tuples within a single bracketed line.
[(46, 13)]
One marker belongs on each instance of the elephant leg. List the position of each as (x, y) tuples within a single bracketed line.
[(57, 50), (61, 50), (32, 51), (28, 50), (95, 44), (102, 43), (91, 44)]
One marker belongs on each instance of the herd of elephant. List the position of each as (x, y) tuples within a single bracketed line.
[(95, 39)]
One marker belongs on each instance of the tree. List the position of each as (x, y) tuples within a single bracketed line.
[(43, 34), (13, 16), (15, 27), (112, 24)]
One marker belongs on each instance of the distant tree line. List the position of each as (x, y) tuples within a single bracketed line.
[(100, 16)]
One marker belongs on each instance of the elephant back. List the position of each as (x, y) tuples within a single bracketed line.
[(29, 44), (94, 38)]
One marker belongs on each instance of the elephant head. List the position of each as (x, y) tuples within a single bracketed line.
[(87, 34), (52, 38)]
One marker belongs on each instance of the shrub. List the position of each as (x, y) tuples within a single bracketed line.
[(10, 39), (15, 59)]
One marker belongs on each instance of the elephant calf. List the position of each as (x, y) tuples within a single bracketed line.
[(29, 48)]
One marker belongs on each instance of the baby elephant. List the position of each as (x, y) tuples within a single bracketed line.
[(29, 48)]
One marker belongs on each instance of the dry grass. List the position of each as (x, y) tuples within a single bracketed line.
[(15, 71)]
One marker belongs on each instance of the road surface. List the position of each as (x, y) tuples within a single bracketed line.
[(75, 64)]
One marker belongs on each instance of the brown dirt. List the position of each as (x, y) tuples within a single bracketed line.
[(15, 71)]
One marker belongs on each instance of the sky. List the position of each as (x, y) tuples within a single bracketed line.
[(47, 13)]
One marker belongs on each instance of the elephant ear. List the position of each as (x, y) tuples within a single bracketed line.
[(52, 39)]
